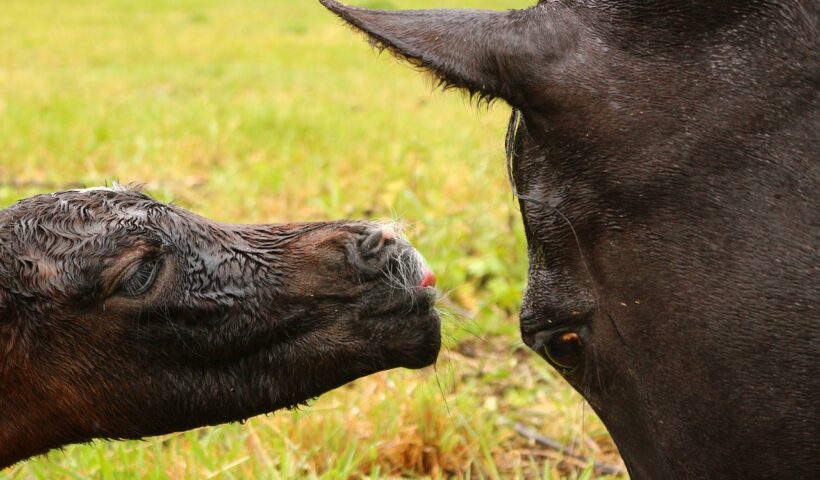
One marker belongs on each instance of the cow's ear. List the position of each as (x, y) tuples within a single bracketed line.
[(489, 53)]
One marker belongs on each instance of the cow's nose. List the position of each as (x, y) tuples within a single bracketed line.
[(376, 241)]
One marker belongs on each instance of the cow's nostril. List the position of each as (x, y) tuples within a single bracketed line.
[(376, 240)]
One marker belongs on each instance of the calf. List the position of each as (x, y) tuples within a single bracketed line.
[(122, 317), (666, 157)]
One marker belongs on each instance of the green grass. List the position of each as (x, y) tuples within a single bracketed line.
[(270, 110)]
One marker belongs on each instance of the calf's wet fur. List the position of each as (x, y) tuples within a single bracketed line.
[(122, 317)]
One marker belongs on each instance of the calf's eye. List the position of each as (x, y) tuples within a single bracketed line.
[(565, 350), (142, 279)]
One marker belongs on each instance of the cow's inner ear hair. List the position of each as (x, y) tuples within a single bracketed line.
[(490, 54)]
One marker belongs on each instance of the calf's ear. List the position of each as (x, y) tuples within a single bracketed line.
[(489, 53)]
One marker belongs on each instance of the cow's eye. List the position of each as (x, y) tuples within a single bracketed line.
[(565, 350), (142, 279)]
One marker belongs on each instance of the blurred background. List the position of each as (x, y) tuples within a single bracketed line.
[(269, 111)]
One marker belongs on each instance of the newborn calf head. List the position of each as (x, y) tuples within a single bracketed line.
[(123, 317)]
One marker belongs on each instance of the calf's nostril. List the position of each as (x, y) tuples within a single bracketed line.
[(389, 234), (375, 241)]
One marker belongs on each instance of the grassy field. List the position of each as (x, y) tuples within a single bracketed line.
[(271, 110)]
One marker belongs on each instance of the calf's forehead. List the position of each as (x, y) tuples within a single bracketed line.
[(73, 222)]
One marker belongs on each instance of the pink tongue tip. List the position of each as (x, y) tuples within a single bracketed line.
[(429, 280)]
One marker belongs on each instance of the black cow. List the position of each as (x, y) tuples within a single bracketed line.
[(123, 317), (666, 157)]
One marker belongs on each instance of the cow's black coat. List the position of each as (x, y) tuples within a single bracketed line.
[(667, 159)]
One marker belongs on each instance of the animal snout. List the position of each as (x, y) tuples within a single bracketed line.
[(380, 250), (378, 241), (373, 249)]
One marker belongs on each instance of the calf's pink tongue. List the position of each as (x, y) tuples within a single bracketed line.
[(429, 280)]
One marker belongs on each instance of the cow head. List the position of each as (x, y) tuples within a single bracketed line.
[(665, 158), (123, 317)]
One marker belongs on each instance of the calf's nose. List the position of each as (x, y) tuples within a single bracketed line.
[(382, 245), (376, 241)]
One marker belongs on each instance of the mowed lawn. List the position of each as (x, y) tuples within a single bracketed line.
[(267, 111)]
